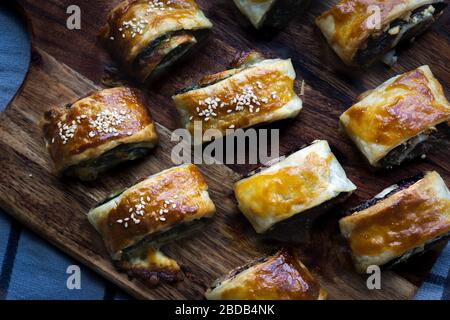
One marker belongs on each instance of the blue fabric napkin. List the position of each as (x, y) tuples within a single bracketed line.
[(31, 268)]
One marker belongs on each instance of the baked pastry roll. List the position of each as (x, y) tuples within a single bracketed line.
[(400, 119), (278, 277), (310, 178), (402, 220), (147, 36), (135, 222), (159, 203), (363, 31), (255, 91), (273, 13), (99, 131)]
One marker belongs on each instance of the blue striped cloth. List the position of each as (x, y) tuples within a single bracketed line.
[(33, 269), (30, 267)]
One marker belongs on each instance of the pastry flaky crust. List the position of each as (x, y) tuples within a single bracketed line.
[(94, 125), (399, 109), (134, 25), (400, 224), (278, 277), (256, 11), (304, 180), (161, 202), (259, 92), (346, 26)]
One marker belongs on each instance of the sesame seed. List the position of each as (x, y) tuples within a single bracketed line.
[(67, 131)]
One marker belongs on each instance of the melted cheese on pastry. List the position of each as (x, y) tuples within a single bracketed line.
[(279, 277), (302, 181), (165, 200), (405, 221), (396, 111), (260, 93)]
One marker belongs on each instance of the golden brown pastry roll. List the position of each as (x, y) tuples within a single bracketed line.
[(255, 91), (402, 220), (273, 13), (363, 31), (148, 36), (399, 120), (99, 131), (278, 277), (150, 265), (310, 178), (168, 199)]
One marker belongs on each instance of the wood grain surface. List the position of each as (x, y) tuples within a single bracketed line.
[(68, 64)]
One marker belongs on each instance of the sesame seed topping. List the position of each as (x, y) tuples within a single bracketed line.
[(139, 209), (246, 100), (67, 131)]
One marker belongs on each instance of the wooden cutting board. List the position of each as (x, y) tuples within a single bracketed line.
[(68, 64)]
